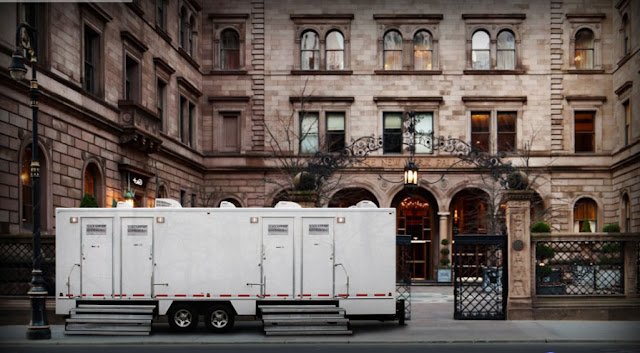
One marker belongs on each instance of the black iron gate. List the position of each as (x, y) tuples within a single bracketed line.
[(480, 277)]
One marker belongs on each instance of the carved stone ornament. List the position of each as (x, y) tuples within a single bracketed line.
[(518, 245)]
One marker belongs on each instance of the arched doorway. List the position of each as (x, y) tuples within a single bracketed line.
[(471, 213), (416, 217), (351, 196)]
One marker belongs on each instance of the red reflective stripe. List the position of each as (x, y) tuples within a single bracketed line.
[(267, 295), (323, 295), (69, 295), (119, 295), (98, 295), (180, 295), (361, 295), (84, 295), (161, 295), (343, 295), (380, 295), (225, 295), (306, 295), (138, 295), (244, 295), (283, 295), (199, 295)]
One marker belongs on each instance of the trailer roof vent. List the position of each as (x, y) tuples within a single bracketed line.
[(167, 203), (227, 204), (366, 204), (287, 204)]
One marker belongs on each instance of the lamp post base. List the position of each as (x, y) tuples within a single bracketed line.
[(38, 328), (38, 332)]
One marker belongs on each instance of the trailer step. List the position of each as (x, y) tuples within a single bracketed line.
[(109, 319), (310, 316), (298, 320), (301, 309)]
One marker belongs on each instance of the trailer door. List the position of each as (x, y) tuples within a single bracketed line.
[(317, 257), (277, 257), (97, 258), (137, 257)]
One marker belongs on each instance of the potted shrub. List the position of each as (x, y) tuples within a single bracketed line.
[(611, 228), (548, 280), (444, 268), (88, 201), (609, 272)]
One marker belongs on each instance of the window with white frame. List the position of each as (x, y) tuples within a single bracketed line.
[(229, 31), (322, 43), (585, 216), (494, 123), (396, 136), (585, 46), (309, 132), (583, 57), (335, 133), (422, 50), (392, 50), (493, 42), (229, 50)]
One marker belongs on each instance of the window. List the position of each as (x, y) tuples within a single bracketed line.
[(183, 28), (422, 51), (335, 132), (309, 51), (506, 51), (161, 14), (392, 50), (583, 57), (480, 131), (423, 132), (162, 192), (334, 51), (93, 182), (626, 213), (231, 138), (626, 29), (190, 30), (627, 122), (161, 91), (507, 131), (309, 137), (392, 132), (183, 196), (132, 80), (584, 131), (181, 122), (229, 50), (191, 123), (91, 59), (480, 51), (193, 200), (585, 216)]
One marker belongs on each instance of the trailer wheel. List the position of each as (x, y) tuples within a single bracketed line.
[(183, 317), (219, 318)]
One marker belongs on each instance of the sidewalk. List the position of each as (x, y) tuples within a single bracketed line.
[(431, 322)]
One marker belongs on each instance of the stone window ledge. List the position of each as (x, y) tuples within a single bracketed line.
[(408, 72), (494, 72), (322, 72)]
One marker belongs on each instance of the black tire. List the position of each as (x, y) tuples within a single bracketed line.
[(183, 317), (219, 318)]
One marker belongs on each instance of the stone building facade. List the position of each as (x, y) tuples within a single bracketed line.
[(187, 99)]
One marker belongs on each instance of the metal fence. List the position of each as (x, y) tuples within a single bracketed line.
[(16, 263), (579, 267)]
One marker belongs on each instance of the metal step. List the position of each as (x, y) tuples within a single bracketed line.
[(115, 316), (108, 321), (114, 310), (306, 330), (302, 316), (306, 321), (301, 309), (297, 320), (308, 333), (100, 327), (116, 306)]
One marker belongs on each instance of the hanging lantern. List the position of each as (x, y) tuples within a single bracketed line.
[(411, 175)]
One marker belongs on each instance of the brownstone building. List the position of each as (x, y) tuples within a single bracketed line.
[(186, 99)]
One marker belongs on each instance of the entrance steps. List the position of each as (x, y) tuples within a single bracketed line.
[(302, 320), (110, 319)]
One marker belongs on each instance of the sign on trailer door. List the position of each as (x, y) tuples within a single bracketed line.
[(317, 257), (97, 255), (137, 257), (277, 257)]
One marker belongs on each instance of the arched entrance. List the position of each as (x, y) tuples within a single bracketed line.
[(416, 217), (351, 196), (471, 212)]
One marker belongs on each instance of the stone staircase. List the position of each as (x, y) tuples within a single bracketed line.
[(302, 320), (110, 319)]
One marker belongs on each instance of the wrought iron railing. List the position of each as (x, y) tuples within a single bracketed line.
[(16, 263), (579, 267)]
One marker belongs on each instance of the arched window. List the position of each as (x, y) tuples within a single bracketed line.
[(310, 51), (335, 51), (183, 27), (422, 51), (162, 192), (392, 50), (506, 51), (626, 45), (584, 49), (93, 182), (626, 213), (585, 216), (191, 29), (26, 201), (229, 50), (481, 51)]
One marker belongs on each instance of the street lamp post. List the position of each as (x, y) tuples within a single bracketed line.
[(26, 40)]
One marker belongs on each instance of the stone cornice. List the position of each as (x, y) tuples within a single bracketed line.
[(475, 99), (129, 37), (159, 62), (401, 17), (431, 99), (586, 16), (625, 86), (320, 17), (586, 98), (494, 16), (321, 99), (228, 98), (97, 11), (227, 16), (182, 82)]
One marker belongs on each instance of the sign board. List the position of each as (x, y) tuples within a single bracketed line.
[(96, 229), (318, 229), (278, 229), (137, 229)]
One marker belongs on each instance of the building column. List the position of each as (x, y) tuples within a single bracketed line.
[(520, 268), (444, 225)]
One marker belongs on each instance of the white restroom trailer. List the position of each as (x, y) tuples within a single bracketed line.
[(198, 260)]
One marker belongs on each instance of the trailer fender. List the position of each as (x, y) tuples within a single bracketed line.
[(163, 306), (244, 307)]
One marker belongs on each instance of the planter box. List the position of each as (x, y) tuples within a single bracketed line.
[(444, 275)]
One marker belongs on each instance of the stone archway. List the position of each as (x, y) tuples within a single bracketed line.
[(469, 212), (417, 217), (351, 196)]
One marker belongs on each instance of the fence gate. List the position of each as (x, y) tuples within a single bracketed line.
[(480, 277)]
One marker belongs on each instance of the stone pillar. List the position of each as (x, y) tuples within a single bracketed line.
[(306, 199), (520, 269), (444, 226)]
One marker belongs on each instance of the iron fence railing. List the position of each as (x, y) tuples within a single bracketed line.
[(16, 263), (579, 267)]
